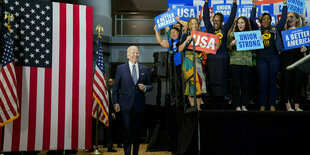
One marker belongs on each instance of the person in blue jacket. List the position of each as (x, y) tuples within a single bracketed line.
[(268, 59), (217, 65)]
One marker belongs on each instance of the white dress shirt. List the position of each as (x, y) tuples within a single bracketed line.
[(137, 69)]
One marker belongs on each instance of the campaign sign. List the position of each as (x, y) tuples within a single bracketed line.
[(166, 19), (249, 40), (260, 2), (245, 10), (186, 12), (297, 6), (296, 38), (225, 9), (175, 5), (204, 42)]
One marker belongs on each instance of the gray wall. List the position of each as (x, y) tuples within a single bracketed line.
[(118, 53)]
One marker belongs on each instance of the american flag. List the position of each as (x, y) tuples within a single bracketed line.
[(8, 94), (100, 92), (54, 48)]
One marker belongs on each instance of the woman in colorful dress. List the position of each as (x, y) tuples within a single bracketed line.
[(188, 66)]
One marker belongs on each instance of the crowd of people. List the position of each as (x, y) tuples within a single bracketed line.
[(201, 73), (212, 70)]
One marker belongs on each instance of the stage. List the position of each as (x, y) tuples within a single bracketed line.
[(246, 133)]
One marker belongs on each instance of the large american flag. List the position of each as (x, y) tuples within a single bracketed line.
[(8, 94), (100, 92), (53, 46)]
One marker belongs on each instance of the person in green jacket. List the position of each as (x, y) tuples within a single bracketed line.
[(240, 66)]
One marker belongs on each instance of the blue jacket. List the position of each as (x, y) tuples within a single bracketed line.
[(125, 92)]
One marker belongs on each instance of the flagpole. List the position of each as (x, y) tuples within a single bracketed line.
[(96, 151), (99, 28), (2, 139)]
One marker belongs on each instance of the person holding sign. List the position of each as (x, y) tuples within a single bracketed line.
[(171, 45), (217, 64), (292, 79), (268, 59), (193, 24), (240, 66)]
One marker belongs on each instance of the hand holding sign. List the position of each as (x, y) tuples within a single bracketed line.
[(188, 39), (165, 19), (204, 42), (303, 49), (296, 38), (249, 40)]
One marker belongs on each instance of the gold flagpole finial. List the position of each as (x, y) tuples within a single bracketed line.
[(99, 28), (9, 17)]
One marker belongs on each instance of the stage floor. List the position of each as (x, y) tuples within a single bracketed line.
[(120, 151)]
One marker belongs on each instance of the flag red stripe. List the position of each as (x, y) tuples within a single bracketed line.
[(89, 72), (1, 120), (17, 122), (99, 79), (10, 69), (99, 76), (62, 76), (11, 91), (2, 104), (99, 89), (76, 79), (102, 102), (33, 107), (47, 109)]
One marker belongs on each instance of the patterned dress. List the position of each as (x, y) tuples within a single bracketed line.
[(188, 72)]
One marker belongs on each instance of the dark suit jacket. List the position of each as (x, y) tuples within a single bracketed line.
[(125, 92)]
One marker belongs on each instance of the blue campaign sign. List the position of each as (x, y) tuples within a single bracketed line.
[(296, 38), (297, 6), (245, 10), (225, 9), (186, 12), (185, 2), (242, 10), (166, 19), (249, 40), (175, 5)]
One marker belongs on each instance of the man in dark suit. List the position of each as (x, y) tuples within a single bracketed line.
[(108, 134), (132, 80)]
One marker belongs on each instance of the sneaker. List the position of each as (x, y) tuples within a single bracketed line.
[(243, 108), (298, 109), (290, 109), (238, 109), (262, 108), (272, 108)]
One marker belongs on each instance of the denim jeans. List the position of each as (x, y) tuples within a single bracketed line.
[(267, 70)]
